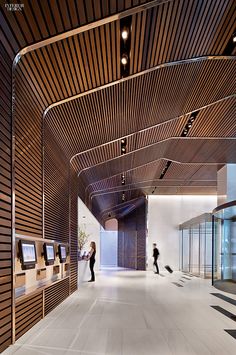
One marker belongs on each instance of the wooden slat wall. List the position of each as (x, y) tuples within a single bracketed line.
[(28, 158), (55, 294), (56, 190), (5, 200), (132, 239), (28, 312), (73, 231)]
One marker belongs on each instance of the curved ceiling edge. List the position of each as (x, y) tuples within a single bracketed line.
[(129, 187), (116, 82), (154, 126), (156, 160), (87, 27), (160, 142)]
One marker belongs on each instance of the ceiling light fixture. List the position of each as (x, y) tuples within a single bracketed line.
[(124, 34), (124, 59), (234, 37)]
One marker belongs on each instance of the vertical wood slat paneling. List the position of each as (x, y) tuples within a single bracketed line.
[(56, 190), (132, 239), (29, 311), (73, 231), (5, 201), (56, 294)]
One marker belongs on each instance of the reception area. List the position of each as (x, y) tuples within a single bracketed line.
[(117, 177)]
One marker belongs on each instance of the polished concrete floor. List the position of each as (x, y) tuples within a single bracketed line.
[(135, 313)]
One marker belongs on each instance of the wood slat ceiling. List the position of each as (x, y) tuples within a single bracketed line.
[(141, 102), (148, 175), (165, 33), (196, 151)]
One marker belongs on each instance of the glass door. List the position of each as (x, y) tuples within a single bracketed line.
[(195, 251), (185, 250)]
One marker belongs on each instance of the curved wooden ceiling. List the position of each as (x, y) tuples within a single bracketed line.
[(150, 107)]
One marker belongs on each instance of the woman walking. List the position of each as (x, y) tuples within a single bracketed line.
[(91, 258)]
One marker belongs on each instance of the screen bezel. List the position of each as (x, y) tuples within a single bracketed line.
[(62, 260), (48, 261), (23, 262)]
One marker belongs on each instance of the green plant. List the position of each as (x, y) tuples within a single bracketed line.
[(82, 239)]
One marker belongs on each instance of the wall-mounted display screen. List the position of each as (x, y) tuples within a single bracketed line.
[(27, 253), (49, 254), (62, 253)]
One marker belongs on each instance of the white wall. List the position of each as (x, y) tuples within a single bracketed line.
[(165, 213), (226, 187), (88, 223), (109, 245)]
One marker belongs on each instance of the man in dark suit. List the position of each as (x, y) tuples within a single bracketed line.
[(155, 256)]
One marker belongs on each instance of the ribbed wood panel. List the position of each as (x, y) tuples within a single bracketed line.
[(140, 102), (148, 175), (180, 29), (132, 239), (5, 201), (56, 190), (183, 190), (55, 294), (184, 151), (28, 159), (28, 312), (43, 19), (73, 231)]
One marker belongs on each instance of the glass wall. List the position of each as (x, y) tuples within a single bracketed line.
[(196, 246), (224, 271)]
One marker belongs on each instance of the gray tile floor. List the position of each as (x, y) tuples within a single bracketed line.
[(134, 313)]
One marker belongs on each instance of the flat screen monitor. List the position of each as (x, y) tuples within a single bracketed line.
[(27, 253), (62, 253), (49, 254)]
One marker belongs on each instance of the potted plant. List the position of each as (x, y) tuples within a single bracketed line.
[(82, 240)]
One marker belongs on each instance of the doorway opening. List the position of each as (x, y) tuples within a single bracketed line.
[(108, 249)]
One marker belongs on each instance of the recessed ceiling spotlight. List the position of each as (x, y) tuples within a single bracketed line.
[(192, 119), (234, 37), (124, 34), (185, 131), (124, 59), (189, 125), (123, 149)]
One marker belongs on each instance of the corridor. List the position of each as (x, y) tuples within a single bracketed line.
[(135, 313)]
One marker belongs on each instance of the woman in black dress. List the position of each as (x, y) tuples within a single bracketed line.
[(91, 258)]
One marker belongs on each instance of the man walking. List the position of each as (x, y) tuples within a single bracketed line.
[(155, 256)]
